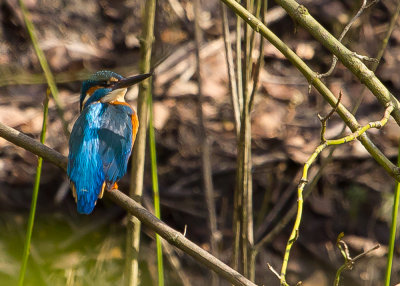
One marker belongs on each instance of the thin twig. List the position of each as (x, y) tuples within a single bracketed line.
[(345, 30), (205, 147), (325, 119), (260, 9), (35, 194), (342, 245), (260, 59), (231, 68), (348, 261), (304, 179), (156, 193), (274, 271), (239, 68), (237, 200), (138, 153), (244, 187), (393, 226), (252, 33)]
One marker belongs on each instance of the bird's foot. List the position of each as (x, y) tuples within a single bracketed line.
[(114, 187)]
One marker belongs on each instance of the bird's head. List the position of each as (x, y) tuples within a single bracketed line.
[(107, 86)]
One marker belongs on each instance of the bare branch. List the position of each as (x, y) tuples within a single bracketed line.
[(204, 141), (172, 236), (348, 261), (344, 32), (326, 118), (304, 180)]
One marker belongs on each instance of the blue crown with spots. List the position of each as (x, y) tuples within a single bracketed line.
[(99, 78)]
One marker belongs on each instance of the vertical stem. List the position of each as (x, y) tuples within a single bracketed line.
[(237, 200), (156, 194), (231, 68), (395, 209), (243, 200), (35, 194), (252, 32), (253, 254), (245, 153), (205, 148), (392, 238), (294, 234), (246, 193), (239, 60), (260, 60), (136, 186)]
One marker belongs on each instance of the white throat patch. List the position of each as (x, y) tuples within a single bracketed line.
[(115, 95)]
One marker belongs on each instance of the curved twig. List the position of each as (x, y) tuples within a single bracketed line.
[(348, 261), (344, 32), (304, 179)]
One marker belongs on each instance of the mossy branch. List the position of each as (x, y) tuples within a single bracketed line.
[(344, 32), (300, 14), (172, 236)]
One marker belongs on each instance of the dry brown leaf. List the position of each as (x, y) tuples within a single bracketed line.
[(305, 51), (161, 115)]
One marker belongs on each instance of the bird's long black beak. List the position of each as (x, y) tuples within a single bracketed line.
[(126, 82)]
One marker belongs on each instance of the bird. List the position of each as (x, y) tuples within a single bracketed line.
[(102, 137)]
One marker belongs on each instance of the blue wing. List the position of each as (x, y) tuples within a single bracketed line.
[(99, 149), (115, 138)]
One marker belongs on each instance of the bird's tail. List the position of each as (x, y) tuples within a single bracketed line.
[(86, 198)]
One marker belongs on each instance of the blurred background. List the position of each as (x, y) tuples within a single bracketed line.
[(354, 194)]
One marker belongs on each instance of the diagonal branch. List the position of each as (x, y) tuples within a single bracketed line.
[(33, 146), (310, 75), (300, 14), (344, 32), (172, 236)]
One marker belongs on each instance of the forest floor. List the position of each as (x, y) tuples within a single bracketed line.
[(354, 194)]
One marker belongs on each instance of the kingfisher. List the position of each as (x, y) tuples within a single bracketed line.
[(102, 138)]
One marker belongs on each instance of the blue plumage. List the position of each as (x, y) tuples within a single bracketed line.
[(84, 161), (100, 150), (102, 138), (116, 131)]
